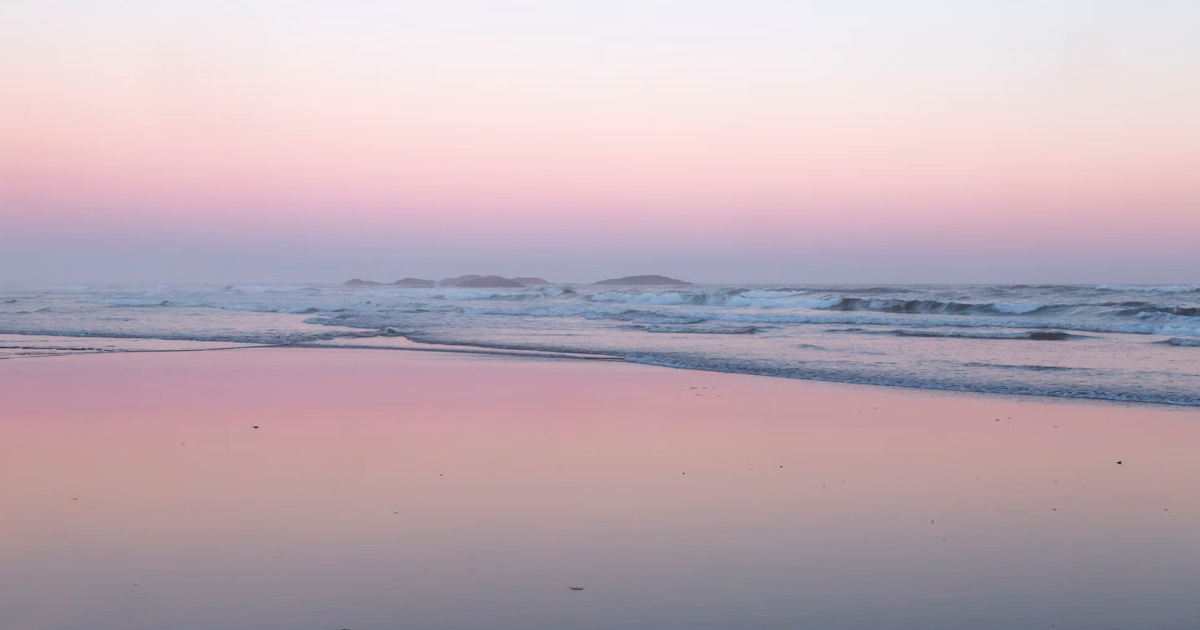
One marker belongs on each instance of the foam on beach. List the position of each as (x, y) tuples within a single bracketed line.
[(933, 337)]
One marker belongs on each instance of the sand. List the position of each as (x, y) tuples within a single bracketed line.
[(386, 489)]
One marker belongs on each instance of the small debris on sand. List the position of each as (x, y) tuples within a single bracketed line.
[(575, 588), (256, 426), (1118, 462)]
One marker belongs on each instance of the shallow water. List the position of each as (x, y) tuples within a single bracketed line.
[(1101, 342), (388, 490)]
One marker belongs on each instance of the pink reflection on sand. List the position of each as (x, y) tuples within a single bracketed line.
[(450, 491)]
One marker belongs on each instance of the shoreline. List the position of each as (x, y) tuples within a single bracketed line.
[(1104, 343), (409, 345)]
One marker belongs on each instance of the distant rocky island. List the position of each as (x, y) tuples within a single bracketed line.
[(471, 281), (476, 281), (489, 282), (414, 282), (649, 280), (453, 282)]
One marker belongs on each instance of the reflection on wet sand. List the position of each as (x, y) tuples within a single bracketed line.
[(390, 490)]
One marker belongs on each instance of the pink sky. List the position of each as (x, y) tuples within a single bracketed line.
[(1018, 131)]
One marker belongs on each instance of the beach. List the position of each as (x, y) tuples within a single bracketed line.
[(599, 315), (373, 489)]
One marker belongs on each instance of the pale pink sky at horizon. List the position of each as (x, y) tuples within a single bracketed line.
[(500, 134)]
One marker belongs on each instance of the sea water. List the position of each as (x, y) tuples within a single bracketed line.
[(1108, 342)]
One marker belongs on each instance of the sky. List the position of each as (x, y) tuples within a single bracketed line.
[(749, 141)]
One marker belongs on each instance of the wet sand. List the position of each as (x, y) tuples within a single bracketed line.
[(388, 490)]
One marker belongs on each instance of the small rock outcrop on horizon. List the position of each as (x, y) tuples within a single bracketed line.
[(453, 282), (356, 282), (649, 280), (414, 282), (489, 282), (530, 281)]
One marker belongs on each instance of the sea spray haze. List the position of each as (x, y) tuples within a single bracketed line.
[(1111, 342)]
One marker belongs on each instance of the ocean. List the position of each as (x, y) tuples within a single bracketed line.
[(1105, 342)]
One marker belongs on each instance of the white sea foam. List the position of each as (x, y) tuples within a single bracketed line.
[(939, 337), (783, 301), (1175, 288), (641, 298), (1017, 308), (769, 294)]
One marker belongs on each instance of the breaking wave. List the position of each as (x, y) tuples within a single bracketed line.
[(709, 330), (1181, 343), (1178, 288), (1032, 335), (908, 336)]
